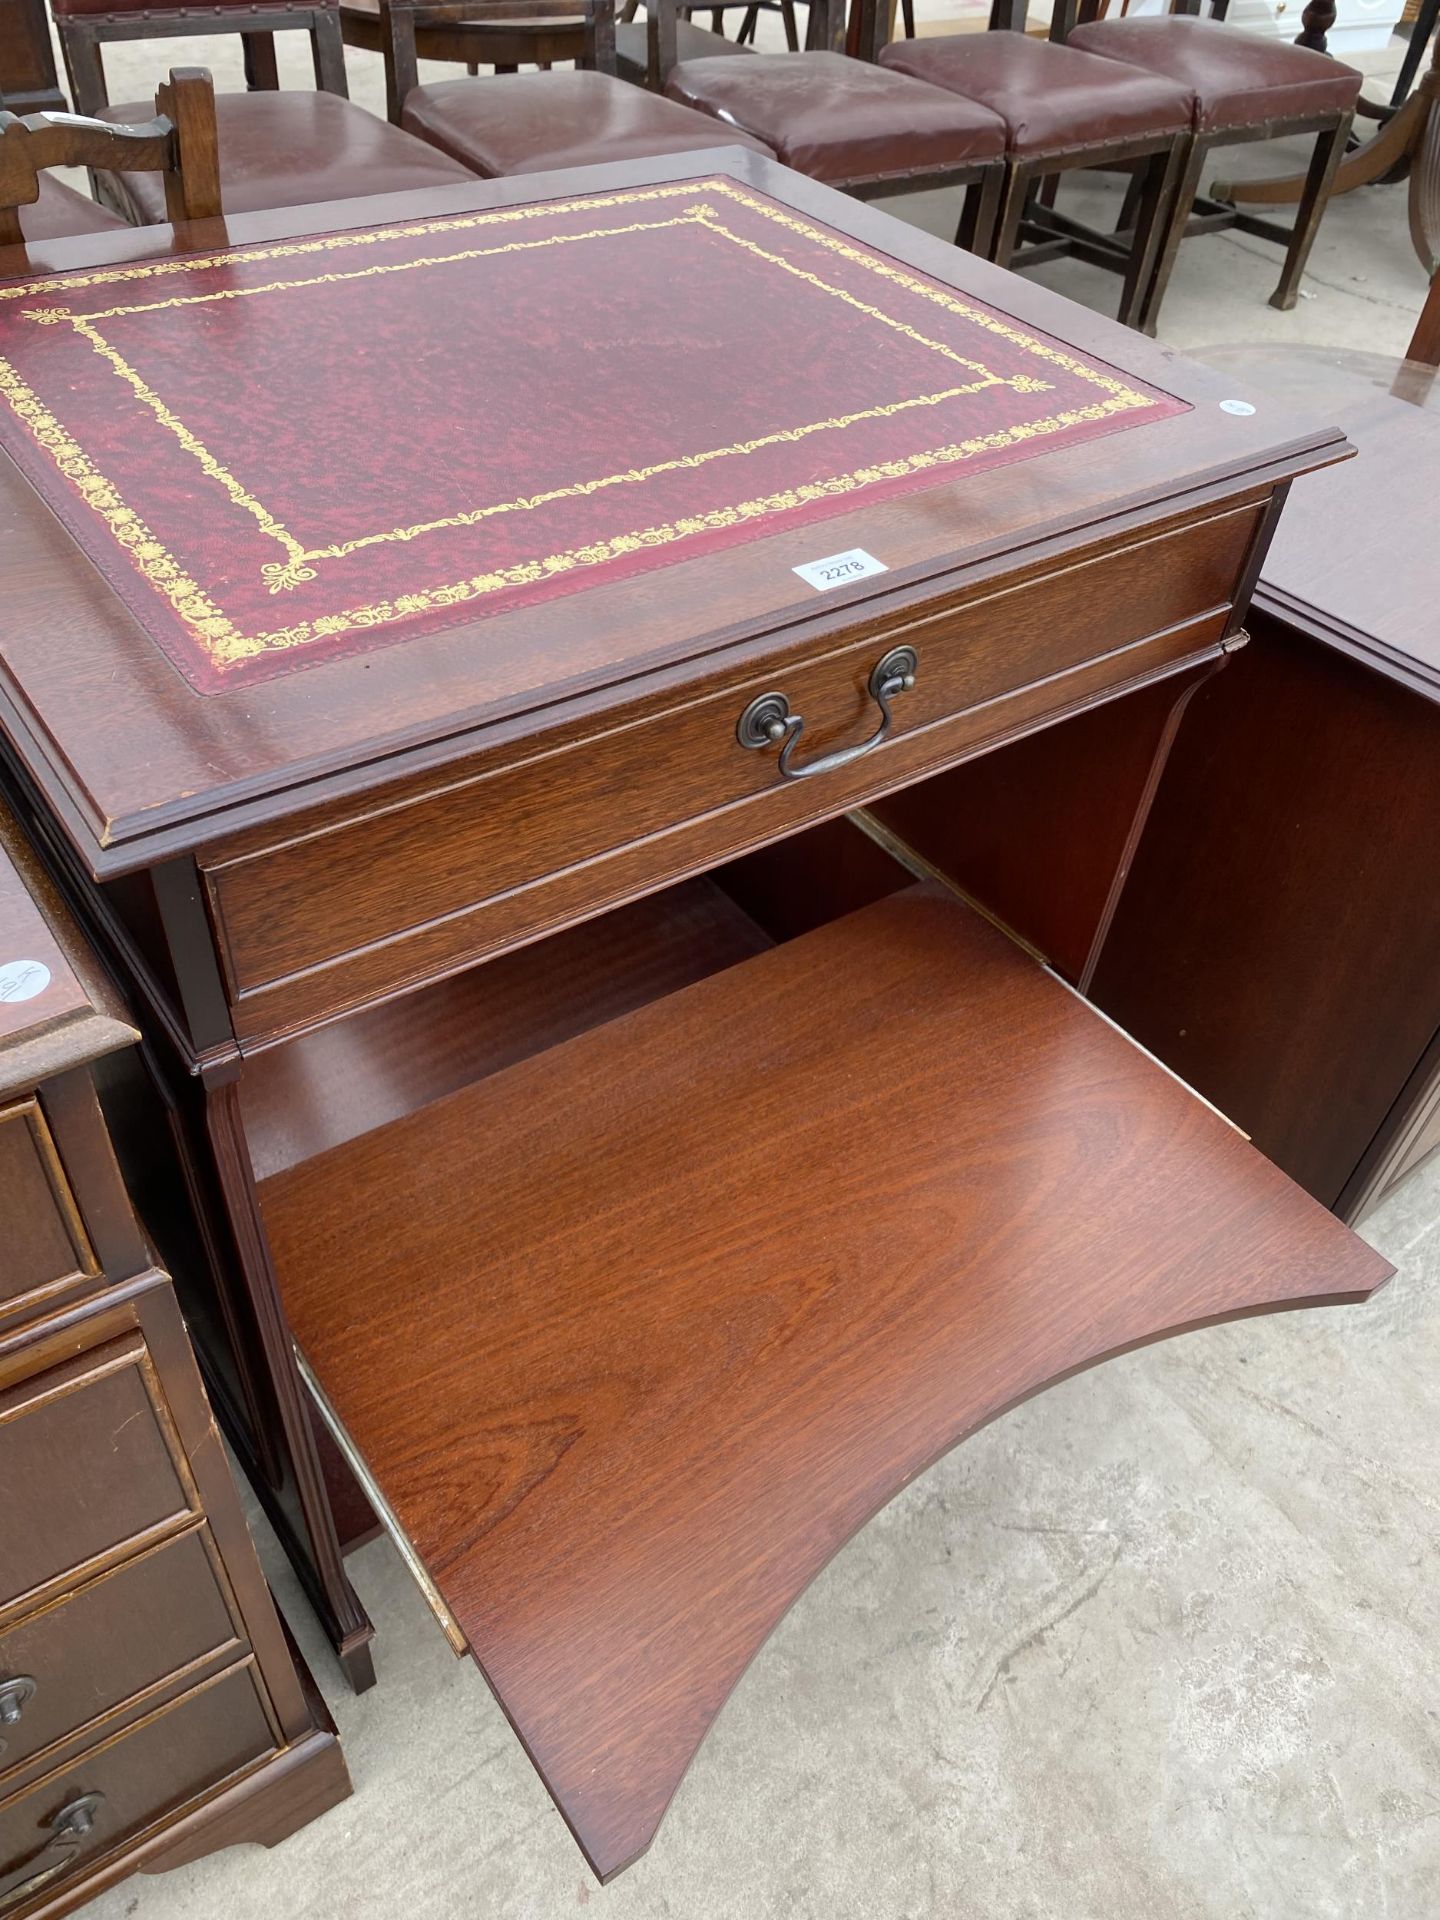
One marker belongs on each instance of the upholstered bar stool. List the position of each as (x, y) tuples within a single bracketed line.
[(530, 122), (277, 149), (1062, 110), (855, 126), (1245, 88)]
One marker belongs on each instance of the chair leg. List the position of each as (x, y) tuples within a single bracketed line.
[(907, 15), (1130, 210), (1196, 152), (976, 232), (1329, 150), (1014, 193), (792, 26), (1157, 177)]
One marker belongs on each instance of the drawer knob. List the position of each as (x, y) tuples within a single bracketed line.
[(15, 1695), (768, 721), (68, 1828)]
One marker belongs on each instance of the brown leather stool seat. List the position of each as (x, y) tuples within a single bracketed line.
[(1062, 110), (1245, 88), (61, 211), (528, 122), (1049, 97), (840, 120), (293, 147), (1237, 78)]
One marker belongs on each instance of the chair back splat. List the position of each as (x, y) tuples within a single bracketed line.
[(179, 144), (85, 26), (593, 46)]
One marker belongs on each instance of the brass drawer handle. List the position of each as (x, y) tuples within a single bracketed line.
[(68, 1829), (768, 721)]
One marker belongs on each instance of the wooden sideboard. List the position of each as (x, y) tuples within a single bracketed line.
[(593, 1097), (1286, 959), (151, 1708)]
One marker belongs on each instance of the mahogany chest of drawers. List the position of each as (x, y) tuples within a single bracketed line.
[(151, 1708)]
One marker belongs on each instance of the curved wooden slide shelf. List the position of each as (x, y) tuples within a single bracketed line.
[(681, 1302)]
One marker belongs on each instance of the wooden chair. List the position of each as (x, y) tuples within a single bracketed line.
[(277, 149), (637, 43), (1062, 110), (1246, 88), (178, 146), (854, 125), (1407, 147), (530, 122)]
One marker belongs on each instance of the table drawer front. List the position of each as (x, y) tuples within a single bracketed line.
[(44, 1241), (74, 1662), (395, 876), (89, 1468), (125, 1784)]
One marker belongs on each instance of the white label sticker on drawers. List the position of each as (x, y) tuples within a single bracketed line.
[(839, 569)]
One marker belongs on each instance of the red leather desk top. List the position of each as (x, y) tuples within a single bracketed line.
[(298, 449)]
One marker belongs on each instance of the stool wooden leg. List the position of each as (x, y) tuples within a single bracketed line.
[(1196, 151), (1158, 177), (1324, 161)]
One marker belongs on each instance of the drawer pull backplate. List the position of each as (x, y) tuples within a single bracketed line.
[(768, 721)]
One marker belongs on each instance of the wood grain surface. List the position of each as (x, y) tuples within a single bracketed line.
[(134, 762), (635, 1334), (1353, 559)]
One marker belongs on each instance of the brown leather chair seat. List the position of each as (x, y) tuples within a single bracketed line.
[(290, 148), (841, 120), (528, 122), (61, 211), (1237, 78), (1048, 96)]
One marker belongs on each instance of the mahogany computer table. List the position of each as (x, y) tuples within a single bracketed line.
[(482, 662)]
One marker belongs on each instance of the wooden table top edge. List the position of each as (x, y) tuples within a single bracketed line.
[(113, 843)]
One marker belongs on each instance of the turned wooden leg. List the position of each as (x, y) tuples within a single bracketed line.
[(1324, 162), (1315, 24)]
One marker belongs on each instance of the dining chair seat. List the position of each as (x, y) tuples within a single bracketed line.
[(529, 122), (841, 120), (1237, 78), (1049, 97), (61, 211), (292, 148)]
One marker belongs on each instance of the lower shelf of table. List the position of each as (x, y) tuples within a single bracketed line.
[(637, 1300)]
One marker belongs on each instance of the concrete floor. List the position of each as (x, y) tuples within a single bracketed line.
[(1160, 1645)]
